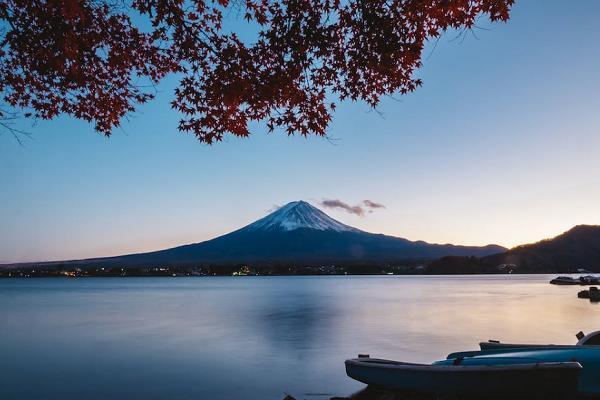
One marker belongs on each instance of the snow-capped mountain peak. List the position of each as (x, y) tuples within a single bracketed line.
[(299, 215)]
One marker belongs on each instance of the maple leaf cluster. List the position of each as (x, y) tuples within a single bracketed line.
[(98, 59)]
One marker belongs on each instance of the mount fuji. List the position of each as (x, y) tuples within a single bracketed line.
[(298, 215), (296, 234)]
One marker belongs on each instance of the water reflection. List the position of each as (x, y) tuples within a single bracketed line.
[(295, 321), (256, 337)]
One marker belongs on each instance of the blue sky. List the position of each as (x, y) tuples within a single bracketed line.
[(500, 145)]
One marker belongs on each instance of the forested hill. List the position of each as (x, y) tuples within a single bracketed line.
[(578, 248)]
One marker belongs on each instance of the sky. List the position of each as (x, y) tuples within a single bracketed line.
[(500, 145)]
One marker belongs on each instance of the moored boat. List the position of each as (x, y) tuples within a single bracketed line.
[(582, 280), (498, 377), (591, 339), (587, 356)]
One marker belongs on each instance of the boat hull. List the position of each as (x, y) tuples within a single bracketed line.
[(529, 380)]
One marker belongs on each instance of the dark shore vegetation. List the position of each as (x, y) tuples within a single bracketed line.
[(576, 250)]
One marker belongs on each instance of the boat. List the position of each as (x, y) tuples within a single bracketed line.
[(586, 355), (582, 280), (564, 280), (591, 339), (586, 351), (497, 370), (493, 377)]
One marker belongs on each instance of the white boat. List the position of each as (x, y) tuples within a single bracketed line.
[(497, 377)]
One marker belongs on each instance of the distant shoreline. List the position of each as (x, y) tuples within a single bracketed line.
[(24, 274), (445, 267)]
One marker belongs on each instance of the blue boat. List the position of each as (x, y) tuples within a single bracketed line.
[(587, 357), (586, 351), (497, 370), (495, 377), (589, 340)]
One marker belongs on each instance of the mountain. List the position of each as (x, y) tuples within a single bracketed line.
[(577, 248), (298, 215), (297, 234)]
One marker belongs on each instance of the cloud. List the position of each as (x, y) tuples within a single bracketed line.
[(372, 205), (359, 209)]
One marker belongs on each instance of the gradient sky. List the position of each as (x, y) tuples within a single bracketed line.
[(500, 145)]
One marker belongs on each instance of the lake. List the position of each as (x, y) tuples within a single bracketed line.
[(257, 337)]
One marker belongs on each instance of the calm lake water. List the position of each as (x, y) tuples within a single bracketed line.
[(257, 337)]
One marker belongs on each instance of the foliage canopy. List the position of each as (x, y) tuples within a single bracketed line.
[(98, 59)]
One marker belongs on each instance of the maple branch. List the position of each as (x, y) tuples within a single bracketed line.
[(7, 119), (82, 58)]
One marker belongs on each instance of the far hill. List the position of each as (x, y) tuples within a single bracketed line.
[(296, 234), (578, 248)]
